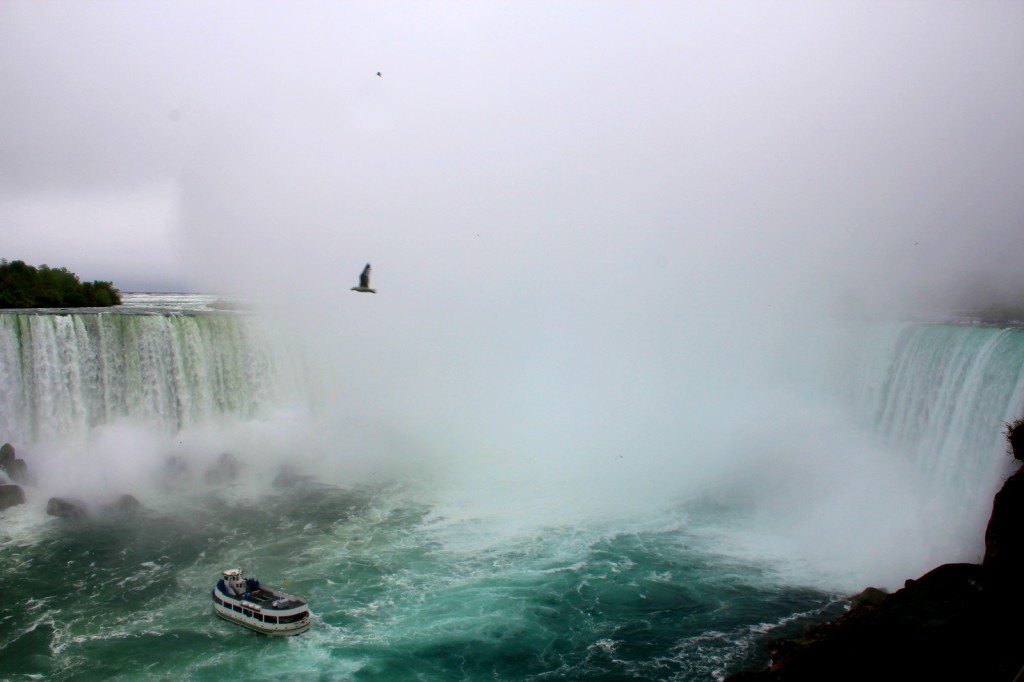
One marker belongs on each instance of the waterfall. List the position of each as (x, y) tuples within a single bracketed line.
[(935, 394), (63, 374), (941, 395)]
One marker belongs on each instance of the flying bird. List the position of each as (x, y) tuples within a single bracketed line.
[(364, 282), (378, 74)]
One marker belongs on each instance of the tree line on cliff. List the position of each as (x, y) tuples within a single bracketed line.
[(26, 286)]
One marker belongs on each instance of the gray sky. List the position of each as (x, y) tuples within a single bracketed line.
[(775, 148)]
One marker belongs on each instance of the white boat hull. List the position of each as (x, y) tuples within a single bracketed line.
[(259, 608), (260, 625)]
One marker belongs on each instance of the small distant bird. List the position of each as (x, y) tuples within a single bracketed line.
[(378, 74), (364, 282)]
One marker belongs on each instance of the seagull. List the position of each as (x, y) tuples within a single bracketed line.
[(378, 74), (364, 282)]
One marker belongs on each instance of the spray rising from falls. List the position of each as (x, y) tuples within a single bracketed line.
[(138, 388), (124, 401), (939, 392)]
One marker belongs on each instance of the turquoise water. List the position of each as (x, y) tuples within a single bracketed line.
[(427, 565), (396, 594)]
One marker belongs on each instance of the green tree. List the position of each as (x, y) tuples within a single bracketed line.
[(24, 286)]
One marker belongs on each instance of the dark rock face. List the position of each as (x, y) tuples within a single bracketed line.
[(18, 471), (11, 495), (1015, 436), (16, 468), (871, 596), (1004, 537), (67, 508), (956, 622), (6, 454)]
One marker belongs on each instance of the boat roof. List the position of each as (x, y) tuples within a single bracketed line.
[(233, 572)]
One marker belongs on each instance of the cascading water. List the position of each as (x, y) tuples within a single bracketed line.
[(941, 394), (949, 391), (64, 375), (411, 580)]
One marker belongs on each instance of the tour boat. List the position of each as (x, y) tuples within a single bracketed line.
[(246, 602)]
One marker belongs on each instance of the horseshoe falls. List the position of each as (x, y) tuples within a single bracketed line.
[(551, 558), (72, 373)]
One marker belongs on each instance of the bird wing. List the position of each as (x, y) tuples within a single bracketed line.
[(364, 278)]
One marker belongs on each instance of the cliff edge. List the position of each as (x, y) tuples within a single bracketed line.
[(958, 621)]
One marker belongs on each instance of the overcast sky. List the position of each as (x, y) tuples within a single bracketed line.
[(855, 151)]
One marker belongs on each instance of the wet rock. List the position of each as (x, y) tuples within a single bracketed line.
[(895, 637), (226, 470), (18, 471), (15, 468), (6, 454), (288, 476), (1015, 437), (870, 597), (175, 471), (958, 621), (126, 505), (1004, 536), (11, 495), (67, 508)]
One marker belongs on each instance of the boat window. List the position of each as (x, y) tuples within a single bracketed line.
[(236, 607), (270, 619), (293, 618), (247, 612)]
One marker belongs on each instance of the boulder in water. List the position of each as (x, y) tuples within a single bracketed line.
[(226, 470), (288, 476), (67, 508), (18, 471), (175, 472), (11, 495), (16, 468), (126, 505), (6, 454)]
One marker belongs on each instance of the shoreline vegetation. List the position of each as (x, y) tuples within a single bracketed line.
[(26, 286)]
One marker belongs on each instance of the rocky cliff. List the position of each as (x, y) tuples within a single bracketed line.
[(957, 622)]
